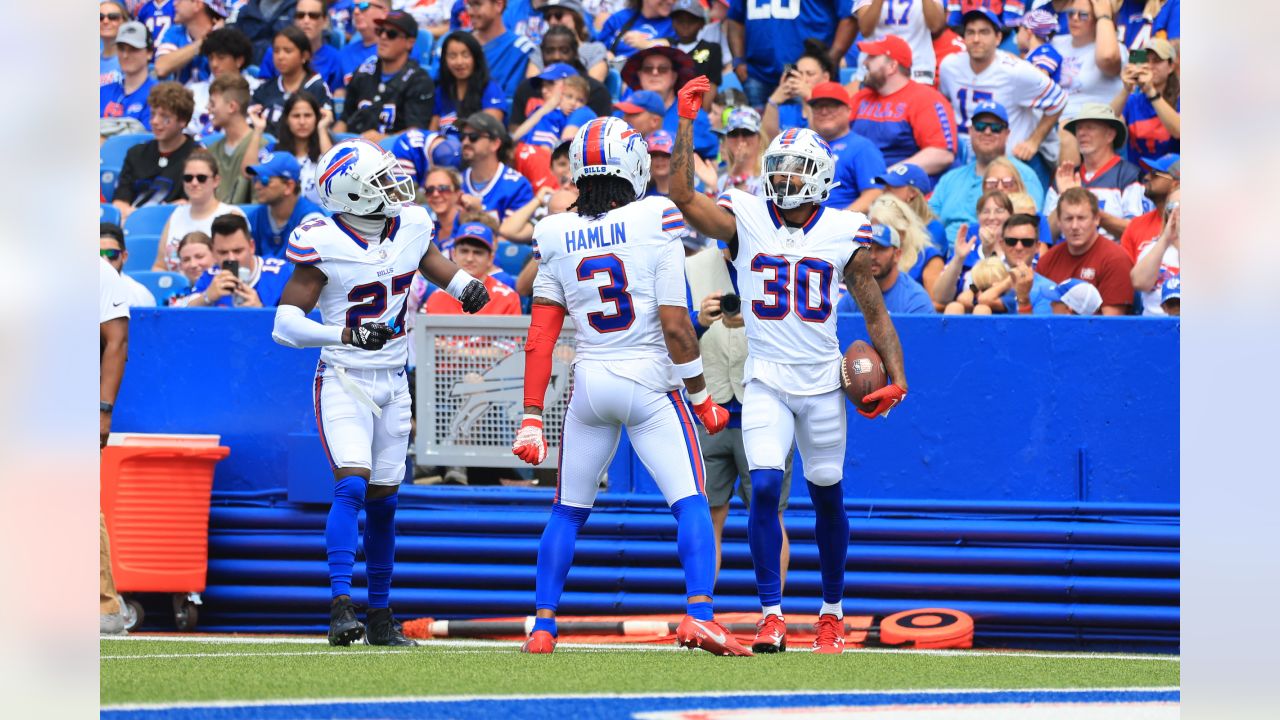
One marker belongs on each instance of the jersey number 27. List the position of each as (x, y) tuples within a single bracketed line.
[(373, 302)]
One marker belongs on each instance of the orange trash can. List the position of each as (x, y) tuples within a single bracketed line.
[(156, 503)]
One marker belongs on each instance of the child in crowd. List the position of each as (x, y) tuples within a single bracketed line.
[(563, 110), (987, 282)]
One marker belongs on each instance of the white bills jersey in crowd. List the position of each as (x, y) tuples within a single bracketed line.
[(1025, 92), (366, 283), (788, 279), (612, 273), (905, 18)]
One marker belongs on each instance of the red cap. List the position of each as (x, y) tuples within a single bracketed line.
[(891, 45), (830, 91)]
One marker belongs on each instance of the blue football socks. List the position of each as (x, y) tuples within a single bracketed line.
[(831, 529), (547, 624), (764, 534), (555, 553), (696, 543), (380, 547), (341, 532)]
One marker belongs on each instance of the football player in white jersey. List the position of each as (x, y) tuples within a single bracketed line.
[(615, 262), (790, 254), (358, 266)]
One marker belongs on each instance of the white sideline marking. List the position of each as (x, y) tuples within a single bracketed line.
[(619, 696), (1160, 710), (501, 644)]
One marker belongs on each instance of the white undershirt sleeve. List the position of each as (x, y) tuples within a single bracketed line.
[(294, 329)]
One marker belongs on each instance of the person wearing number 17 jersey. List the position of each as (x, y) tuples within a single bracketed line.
[(358, 265), (790, 253), (616, 263)]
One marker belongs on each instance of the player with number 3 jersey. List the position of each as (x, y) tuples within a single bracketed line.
[(790, 253), (616, 264), (358, 265)]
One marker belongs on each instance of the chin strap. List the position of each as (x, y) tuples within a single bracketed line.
[(544, 330)]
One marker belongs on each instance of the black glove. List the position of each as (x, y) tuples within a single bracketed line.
[(371, 336), (474, 297)]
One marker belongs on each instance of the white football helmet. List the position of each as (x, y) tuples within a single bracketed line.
[(609, 146), (360, 178), (801, 153)]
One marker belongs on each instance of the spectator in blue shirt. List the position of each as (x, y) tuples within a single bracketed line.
[(256, 281), (506, 53), (364, 43), (463, 86), (858, 162), (277, 183), (488, 185), (127, 97), (643, 25), (262, 19), (1150, 104), (309, 17), (762, 44), (111, 15), (665, 70), (178, 51), (1028, 291), (902, 295), (157, 15)]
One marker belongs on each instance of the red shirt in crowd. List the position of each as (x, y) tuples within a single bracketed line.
[(1105, 265), (1142, 231), (502, 301), (901, 123)]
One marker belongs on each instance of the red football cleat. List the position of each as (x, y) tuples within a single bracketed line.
[(771, 635), (540, 642), (708, 635), (830, 639)]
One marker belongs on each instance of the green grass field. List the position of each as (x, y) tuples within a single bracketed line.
[(138, 670)]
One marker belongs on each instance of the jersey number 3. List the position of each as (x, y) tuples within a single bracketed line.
[(784, 296), (614, 292), (373, 301)]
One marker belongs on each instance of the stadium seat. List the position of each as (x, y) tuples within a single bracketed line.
[(846, 75), (423, 47), (111, 159), (511, 257), (142, 235), (142, 252), (613, 81), (338, 104), (163, 285), (108, 213)]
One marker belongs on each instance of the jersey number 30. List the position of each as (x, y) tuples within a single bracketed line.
[(783, 296), (613, 292)]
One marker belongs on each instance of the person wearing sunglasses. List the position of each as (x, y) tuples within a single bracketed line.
[(111, 248), (127, 97), (1027, 292), (310, 17), (665, 70), (178, 52), (441, 191), (488, 184), (1091, 57), (277, 183), (391, 93), (111, 15), (200, 181), (363, 43)]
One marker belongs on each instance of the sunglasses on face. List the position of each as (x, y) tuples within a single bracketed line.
[(992, 183), (364, 6), (200, 178), (1026, 242), (988, 126), (741, 134), (436, 189), (473, 136), (110, 254), (1083, 15), (655, 69), (389, 34), (308, 14), (113, 17)]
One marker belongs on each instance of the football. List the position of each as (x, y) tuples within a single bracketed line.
[(862, 373)]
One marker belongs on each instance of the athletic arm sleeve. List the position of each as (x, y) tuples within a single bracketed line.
[(544, 330), (294, 329)]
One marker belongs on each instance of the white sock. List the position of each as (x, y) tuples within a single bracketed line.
[(768, 610), (831, 609)]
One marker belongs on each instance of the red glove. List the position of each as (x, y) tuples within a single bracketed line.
[(689, 99), (530, 446), (886, 398), (713, 417)]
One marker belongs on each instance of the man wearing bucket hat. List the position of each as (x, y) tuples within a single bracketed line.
[(1116, 182), (664, 70)]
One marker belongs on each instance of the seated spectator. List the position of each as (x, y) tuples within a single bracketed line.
[(559, 45), (642, 25), (127, 97), (1003, 175), (665, 70), (1091, 62), (195, 256), (277, 187), (304, 133), (726, 101), (1034, 38), (1159, 261), (956, 194), (111, 15), (292, 53), (915, 24), (909, 121), (421, 151), (1160, 186), (442, 190), (506, 53), (1171, 296), (152, 171), (241, 278), (473, 251), (858, 162), (1024, 205), (1085, 255), (200, 181), (742, 147), (660, 143), (910, 184), (643, 111), (488, 185), (1151, 103), (178, 51), (111, 248), (920, 260), (1027, 292), (788, 105), (988, 280), (260, 20), (363, 44), (902, 295), (591, 55), (310, 17), (688, 19), (560, 165), (239, 144), (390, 93), (562, 111), (1076, 297), (227, 50), (1115, 181), (463, 86), (973, 244)]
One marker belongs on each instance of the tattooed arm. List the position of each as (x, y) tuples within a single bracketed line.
[(858, 277), (699, 210)]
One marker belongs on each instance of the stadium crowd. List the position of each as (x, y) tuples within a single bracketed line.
[(1015, 156)]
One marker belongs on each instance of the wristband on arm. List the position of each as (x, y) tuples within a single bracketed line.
[(459, 283)]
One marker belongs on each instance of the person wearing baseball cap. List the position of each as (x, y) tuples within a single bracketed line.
[(394, 81), (902, 294), (177, 55), (741, 147), (488, 184), (688, 18), (1035, 31), (1116, 182), (473, 249), (644, 111), (661, 143), (1151, 93), (858, 162), (1160, 186), (1076, 297), (127, 97), (277, 183), (909, 121), (1171, 296)]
